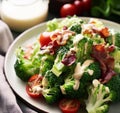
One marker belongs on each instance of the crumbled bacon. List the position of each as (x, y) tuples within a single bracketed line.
[(28, 52), (54, 47), (65, 27), (69, 59), (105, 32), (61, 37), (51, 48), (101, 54)]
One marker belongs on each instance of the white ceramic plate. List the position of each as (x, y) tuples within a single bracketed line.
[(18, 86)]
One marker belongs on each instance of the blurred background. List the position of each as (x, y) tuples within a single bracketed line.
[(107, 9), (23, 14)]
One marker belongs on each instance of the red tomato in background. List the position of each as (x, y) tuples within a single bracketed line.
[(87, 5), (69, 105), (67, 10), (32, 82), (79, 7), (44, 38)]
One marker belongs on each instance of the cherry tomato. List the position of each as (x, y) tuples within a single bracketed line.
[(44, 38), (35, 80), (87, 5), (69, 105), (67, 10), (79, 7)]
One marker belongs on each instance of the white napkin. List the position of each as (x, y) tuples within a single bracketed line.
[(6, 37), (8, 101)]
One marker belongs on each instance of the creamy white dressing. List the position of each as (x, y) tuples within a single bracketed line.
[(79, 70), (86, 27), (90, 71), (46, 50), (62, 90), (86, 46), (77, 84), (113, 39), (37, 89), (44, 82), (97, 23), (95, 83), (107, 89), (77, 38), (44, 58)]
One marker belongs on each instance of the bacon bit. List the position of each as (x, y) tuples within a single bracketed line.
[(56, 35), (101, 54), (108, 76), (111, 48), (105, 32), (51, 48), (69, 59), (54, 47), (28, 52), (65, 27), (88, 32), (61, 37)]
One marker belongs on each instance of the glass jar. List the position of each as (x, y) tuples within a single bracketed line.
[(23, 14)]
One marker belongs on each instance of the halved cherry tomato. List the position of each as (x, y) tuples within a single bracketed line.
[(34, 81), (69, 105), (67, 10), (44, 38)]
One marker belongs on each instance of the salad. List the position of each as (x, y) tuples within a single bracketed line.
[(73, 63)]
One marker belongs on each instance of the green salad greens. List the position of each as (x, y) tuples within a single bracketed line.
[(75, 59)]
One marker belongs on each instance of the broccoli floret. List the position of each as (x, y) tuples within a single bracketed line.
[(114, 85), (68, 89), (114, 39), (53, 80), (51, 87), (84, 46), (76, 27), (46, 63), (117, 40), (97, 39), (98, 97), (92, 72), (58, 66), (51, 95), (25, 69), (116, 56), (88, 71)]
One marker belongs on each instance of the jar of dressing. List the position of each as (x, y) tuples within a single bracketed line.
[(23, 14)]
